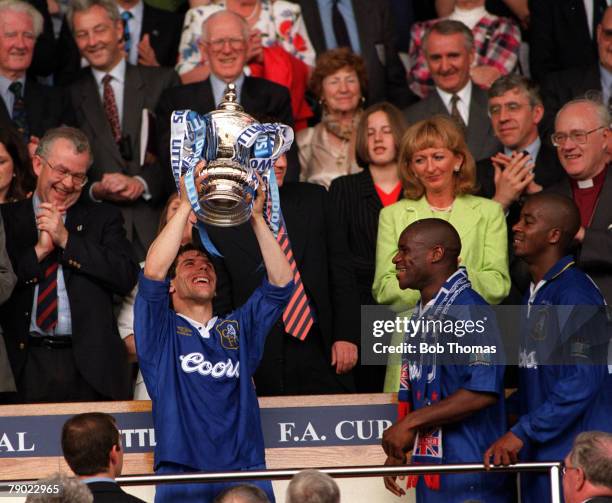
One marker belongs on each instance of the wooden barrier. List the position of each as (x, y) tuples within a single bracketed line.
[(21, 468)]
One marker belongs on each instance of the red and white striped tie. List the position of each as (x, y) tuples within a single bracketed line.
[(297, 316)]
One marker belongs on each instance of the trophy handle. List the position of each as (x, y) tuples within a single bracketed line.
[(283, 140)]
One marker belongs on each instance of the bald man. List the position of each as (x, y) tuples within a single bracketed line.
[(454, 410), (555, 402)]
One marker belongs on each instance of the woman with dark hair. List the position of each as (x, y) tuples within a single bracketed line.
[(17, 180), (357, 200), (327, 150)]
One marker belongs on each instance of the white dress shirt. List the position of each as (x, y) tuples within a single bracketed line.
[(463, 105)]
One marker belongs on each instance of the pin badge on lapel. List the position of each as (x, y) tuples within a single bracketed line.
[(155, 33), (79, 227)]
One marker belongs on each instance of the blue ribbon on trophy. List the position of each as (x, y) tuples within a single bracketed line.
[(233, 146)]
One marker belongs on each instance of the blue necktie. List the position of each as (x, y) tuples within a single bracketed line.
[(127, 38)]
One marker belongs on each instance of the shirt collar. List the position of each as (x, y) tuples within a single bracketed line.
[(606, 76), (461, 271), (117, 73), (137, 11), (590, 182), (464, 94), (563, 264), (199, 326), (533, 148), (219, 86), (5, 83)]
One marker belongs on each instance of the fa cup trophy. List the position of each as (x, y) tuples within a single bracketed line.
[(218, 155)]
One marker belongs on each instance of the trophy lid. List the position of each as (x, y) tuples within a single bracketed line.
[(230, 100)]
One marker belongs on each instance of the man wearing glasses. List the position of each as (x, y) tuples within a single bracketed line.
[(70, 256), (224, 44), (587, 469), (583, 140)]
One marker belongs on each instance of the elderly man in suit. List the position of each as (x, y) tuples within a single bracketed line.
[(71, 257), (91, 445), (583, 140), (224, 42), (587, 469), (449, 50), (25, 104), (560, 87), (113, 103), (367, 28)]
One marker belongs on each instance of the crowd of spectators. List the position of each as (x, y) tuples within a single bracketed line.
[(485, 105)]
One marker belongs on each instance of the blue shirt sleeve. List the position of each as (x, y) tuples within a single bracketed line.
[(259, 313), (567, 401)]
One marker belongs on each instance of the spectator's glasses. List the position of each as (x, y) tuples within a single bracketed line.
[(78, 179), (577, 136), (511, 107), (236, 44), (565, 468)]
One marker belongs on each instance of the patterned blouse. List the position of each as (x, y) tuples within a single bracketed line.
[(496, 40), (280, 22)]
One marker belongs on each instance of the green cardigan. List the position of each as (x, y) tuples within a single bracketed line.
[(481, 225)]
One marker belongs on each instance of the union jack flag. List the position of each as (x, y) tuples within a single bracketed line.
[(428, 448)]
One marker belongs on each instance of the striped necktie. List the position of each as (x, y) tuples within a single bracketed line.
[(46, 302), (297, 316), (19, 115)]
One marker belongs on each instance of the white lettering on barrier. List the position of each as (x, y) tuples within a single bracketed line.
[(140, 437), (362, 429), (196, 362), (7, 446)]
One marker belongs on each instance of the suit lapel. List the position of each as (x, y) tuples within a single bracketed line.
[(34, 103), (371, 201), (464, 216), (5, 117), (148, 24), (478, 122), (203, 98), (360, 9), (312, 19), (76, 223), (603, 208), (93, 112), (437, 105), (133, 103)]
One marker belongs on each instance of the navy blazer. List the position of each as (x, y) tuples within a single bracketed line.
[(97, 263)]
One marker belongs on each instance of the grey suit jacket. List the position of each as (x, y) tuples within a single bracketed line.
[(479, 134), (143, 87), (593, 255)]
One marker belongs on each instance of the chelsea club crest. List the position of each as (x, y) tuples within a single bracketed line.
[(228, 332)]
